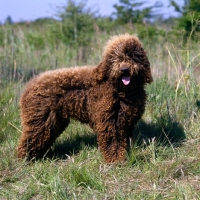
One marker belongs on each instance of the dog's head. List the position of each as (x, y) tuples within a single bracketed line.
[(125, 61)]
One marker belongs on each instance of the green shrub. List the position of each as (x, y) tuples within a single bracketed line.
[(36, 40)]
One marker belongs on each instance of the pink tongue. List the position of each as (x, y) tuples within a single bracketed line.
[(126, 80)]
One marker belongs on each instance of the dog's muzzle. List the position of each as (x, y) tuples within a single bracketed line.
[(125, 74)]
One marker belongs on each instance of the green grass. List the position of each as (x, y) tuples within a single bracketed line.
[(164, 163)]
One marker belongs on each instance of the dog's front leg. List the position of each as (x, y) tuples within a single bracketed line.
[(112, 142)]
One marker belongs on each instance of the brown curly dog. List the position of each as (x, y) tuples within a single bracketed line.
[(110, 97)]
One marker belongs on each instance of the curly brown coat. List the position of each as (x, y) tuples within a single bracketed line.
[(110, 97)]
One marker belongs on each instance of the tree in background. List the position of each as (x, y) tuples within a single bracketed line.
[(131, 11), (77, 22), (8, 20), (190, 18)]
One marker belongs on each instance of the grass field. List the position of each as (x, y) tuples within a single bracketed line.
[(163, 164)]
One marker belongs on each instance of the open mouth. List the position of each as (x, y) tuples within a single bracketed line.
[(126, 80)]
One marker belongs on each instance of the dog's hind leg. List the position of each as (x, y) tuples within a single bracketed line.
[(39, 134)]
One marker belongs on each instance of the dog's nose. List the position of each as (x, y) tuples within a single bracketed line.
[(123, 69)]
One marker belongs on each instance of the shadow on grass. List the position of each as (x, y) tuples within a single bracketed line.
[(73, 145), (165, 132)]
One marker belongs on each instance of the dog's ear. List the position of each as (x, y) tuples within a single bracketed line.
[(140, 55), (100, 71), (148, 75), (146, 70)]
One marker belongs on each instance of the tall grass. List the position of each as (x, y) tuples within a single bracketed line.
[(163, 164)]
